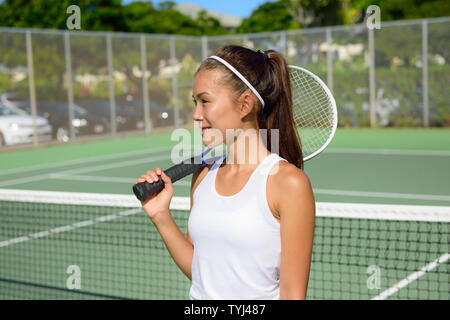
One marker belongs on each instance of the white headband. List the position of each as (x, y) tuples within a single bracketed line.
[(229, 66)]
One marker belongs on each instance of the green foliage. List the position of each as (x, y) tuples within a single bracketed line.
[(403, 9), (403, 85), (145, 17), (160, 90), (270, 16), (107, 15)]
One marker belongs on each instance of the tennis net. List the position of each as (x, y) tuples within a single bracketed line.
[(59, 245)]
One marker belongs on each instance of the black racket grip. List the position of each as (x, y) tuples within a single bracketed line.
[(144, 189)]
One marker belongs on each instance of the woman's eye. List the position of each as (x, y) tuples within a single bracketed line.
[(202, 101)]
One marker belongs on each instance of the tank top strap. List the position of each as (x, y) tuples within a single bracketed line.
[(272, 162), (261, 172), (218, 162), (267, 165)]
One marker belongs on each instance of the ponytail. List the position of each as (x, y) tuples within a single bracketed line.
[(280, 116)]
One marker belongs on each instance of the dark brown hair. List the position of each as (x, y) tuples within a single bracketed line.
[(268, 73)]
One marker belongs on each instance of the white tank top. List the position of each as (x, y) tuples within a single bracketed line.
[(237, 245)]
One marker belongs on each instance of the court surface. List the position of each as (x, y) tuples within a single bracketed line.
[(366, 166)]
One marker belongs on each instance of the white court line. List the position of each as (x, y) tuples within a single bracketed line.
[(112, 165), (80, 161), (184, 183), (58, 176), (391, 152), (134, 153), (392, 195), (24, 180), (81, 170), (69, 227), (412, 277)]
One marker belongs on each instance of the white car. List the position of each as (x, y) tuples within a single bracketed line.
[(16, 126)]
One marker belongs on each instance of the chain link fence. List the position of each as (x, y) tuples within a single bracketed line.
[(64, 85)]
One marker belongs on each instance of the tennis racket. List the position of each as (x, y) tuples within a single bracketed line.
[(315, 116)]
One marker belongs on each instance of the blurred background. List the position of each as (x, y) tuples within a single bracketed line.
[(129, 67)]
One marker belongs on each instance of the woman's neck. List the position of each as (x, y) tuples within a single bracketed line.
[(245, 149)]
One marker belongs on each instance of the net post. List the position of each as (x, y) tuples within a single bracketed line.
[(426, 113), (69, 83), (31, 83), (283, 42), (372, 88), (145, 97), (173, 60), (204, 47), (112, 98), (329, 60)]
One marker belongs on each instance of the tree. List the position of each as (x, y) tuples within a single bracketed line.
[(270, 16), (210, 25), (296, 14), (402, 9), (108, 15), (105, 15)]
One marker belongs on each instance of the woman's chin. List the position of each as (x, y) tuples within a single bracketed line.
[(210, 143)]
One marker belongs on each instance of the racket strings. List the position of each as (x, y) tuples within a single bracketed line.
[(312, 110)]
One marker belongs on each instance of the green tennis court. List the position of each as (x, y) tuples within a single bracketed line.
[(382, 227)]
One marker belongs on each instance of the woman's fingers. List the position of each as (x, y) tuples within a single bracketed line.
[(151, 176)]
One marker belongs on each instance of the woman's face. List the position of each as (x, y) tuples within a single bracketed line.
[(214, 107)]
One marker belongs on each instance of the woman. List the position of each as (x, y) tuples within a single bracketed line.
[(251, 226)]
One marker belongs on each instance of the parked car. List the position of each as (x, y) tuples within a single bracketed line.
[(12, 99), (159, 115), (126, 118), (83, 123), (16, 126), (57, 113)]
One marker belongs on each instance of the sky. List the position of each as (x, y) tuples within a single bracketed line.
[(240, 8)]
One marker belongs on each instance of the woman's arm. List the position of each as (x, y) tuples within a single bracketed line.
[(157, 209), (179, 247), (296, 208)]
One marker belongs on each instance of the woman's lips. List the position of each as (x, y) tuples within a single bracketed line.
[(204, 130)]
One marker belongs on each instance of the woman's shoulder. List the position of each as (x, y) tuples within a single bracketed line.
[(286, 171), (284, 182), (285, 177)]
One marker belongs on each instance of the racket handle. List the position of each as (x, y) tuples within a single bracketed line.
[(143, 190)]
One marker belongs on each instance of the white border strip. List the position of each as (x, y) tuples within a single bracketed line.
[(81, 198), (383, 212), (323, 209), (372, 194)]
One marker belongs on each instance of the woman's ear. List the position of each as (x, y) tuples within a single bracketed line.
[(247, 104)]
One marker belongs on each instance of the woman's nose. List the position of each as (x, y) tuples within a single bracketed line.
[(197, 115)]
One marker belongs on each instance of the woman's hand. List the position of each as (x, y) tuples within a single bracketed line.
[(157, 205)]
